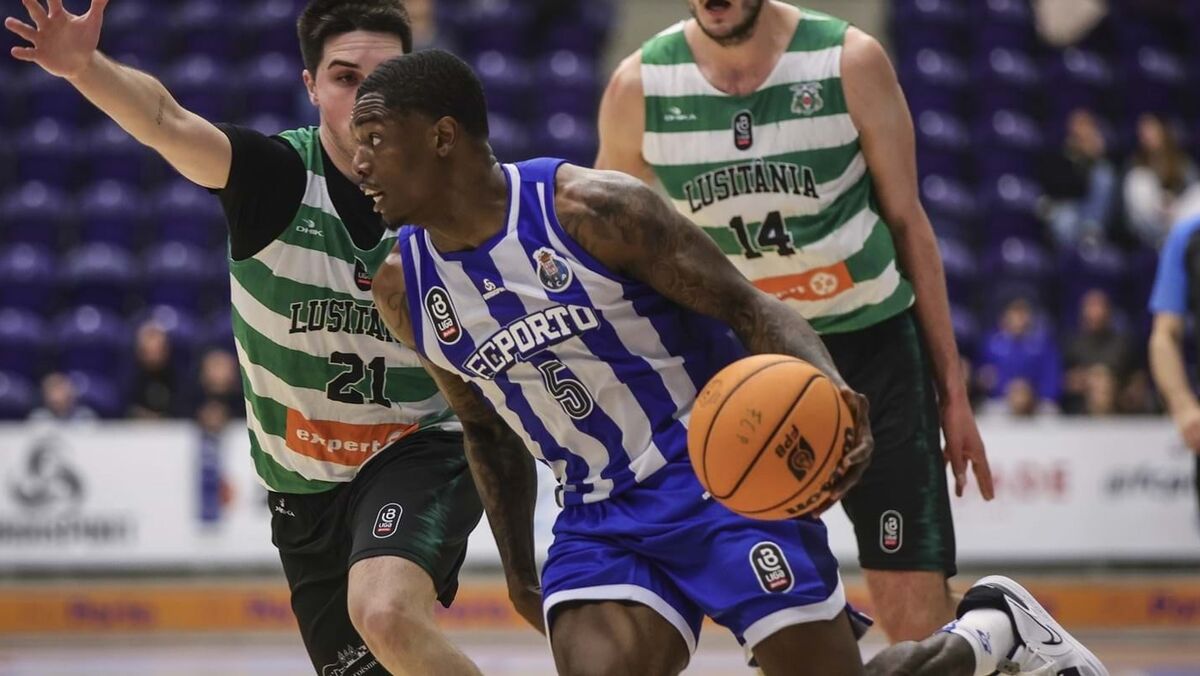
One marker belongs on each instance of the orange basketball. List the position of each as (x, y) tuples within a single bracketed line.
[(767, 434)]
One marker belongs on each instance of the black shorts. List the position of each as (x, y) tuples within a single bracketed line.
[(901, 507), (415, 500)]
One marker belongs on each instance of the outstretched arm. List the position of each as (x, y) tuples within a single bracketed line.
[(65, 45), (502, 467), (881, 115), (630, 229)]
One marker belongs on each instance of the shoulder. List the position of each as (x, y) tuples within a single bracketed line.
[(863, 56), (598, 194), (625, 86)]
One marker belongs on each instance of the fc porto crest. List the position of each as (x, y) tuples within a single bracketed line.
[(806, 98), (553, 270), (743, 130)]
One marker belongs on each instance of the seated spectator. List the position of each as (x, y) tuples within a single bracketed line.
[(219, 381), (1080, 183), (1099, 391), (60, 402), (1098, 342), (153, 393), (1160, 174), (1020, 350)]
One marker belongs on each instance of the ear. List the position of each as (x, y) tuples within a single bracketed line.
[(310, 83), (446, 132)]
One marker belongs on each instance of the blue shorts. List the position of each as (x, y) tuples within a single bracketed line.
[(664, 545)]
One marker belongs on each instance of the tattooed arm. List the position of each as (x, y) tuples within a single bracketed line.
[(502, 467), (627, 227)]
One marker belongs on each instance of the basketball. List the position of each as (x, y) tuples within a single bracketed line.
[(767, 434)]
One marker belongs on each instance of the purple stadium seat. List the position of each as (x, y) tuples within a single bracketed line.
[(1008, 78), (966, 330), (583, 27), (1011, 142), (200, 27), (508, 138), (219, 331), (568, 83), (46, 152), (1009, 203), (942, 143), (111, 153), (185, 212), (24, 343), (99, 392), (111, 211), (566, 136), (500, 25), (198, 82), (178, 275), (269, 83), (1017, 267), (47, 96), (936, 24), (35, 213), (936, 80), (507, 82), (947, 197), (93, 340), (102, 275), (29, 278), (962, 270), (125, 31), (1094, 266), (1155, 81), (266, 123), (18, 397), (1002, 23), (1081, 79), (267, 25)]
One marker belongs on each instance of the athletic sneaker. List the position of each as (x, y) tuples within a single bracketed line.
[(1043, 647)]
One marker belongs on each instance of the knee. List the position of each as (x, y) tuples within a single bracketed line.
[(387, 620)]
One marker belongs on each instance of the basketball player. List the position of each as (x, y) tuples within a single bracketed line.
[(784, 134), (367, 546), (570, 312)]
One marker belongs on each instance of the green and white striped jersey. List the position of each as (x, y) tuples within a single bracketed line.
[(777, 177), (326, 385)]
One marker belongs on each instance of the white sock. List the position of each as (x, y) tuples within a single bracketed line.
[(989, 631)]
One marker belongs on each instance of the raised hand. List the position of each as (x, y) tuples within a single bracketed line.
[(62, 43)]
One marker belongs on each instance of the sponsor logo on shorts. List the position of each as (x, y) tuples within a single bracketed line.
[(891, 531), (388, 519), (772, 568), (441, 312), (352, 661), (743, 130)]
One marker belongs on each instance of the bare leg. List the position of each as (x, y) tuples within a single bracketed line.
[(910, 605), (817, 648), (938, 655), (615, 638), (391, 605)]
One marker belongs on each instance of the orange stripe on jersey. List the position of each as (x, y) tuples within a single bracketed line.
[(338, 442), (815, 284)]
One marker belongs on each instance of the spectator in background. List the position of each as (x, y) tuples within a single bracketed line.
[(1172, 302), (60, 402), (1160, 174), (1020, 355), (154, 393), (219, 382), (1098, 343), (1080, 183)]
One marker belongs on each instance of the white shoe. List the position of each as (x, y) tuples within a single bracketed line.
[(1043, 647)]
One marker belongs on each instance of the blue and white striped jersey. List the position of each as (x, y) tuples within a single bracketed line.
[(594, 371)]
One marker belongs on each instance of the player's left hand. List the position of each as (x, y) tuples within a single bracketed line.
[(964, 447), (857, 456), (527, 600)]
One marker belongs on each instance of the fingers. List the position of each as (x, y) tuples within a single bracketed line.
[(22, 29), (36, 12), (24, 53), (56, 6), (983, 476), (97, 7), (959, 466)]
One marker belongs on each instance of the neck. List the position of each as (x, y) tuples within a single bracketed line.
[(473, 208), (342, 160), (770, 36)]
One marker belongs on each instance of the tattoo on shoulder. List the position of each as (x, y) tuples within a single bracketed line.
[(622, 214)]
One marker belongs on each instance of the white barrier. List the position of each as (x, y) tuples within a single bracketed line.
[(127, 495)]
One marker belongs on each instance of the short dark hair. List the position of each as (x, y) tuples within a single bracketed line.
[(432, 82), (323, 19)]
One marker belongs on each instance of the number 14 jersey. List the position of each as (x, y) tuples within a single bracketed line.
[(595, 372), (777, 177)]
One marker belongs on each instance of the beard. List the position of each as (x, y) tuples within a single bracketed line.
[(740, 32)]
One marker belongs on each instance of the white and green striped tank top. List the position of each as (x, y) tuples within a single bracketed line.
[(777, 177), (326, 385)]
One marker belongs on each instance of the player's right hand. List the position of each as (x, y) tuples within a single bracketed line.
[(62, 43), (857, 455), (1188, 423)]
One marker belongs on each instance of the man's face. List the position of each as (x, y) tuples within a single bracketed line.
[(395, 158), (726, 22), (347, 60)]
